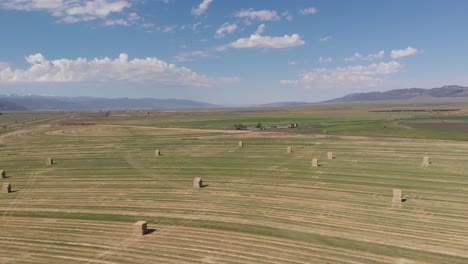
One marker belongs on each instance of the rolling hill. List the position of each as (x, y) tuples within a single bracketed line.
[(9, 106), (36, 102), (401, 94)]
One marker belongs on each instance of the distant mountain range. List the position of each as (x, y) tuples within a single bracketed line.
[(283, 104), (36, 102), (402, 94), (9, 106)]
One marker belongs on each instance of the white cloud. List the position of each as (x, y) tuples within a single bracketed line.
[(97, 8), (202, 7), (133, 17), (358, 56), (71, 11), (308, 11), (260, 29), (288, 16), (325, 60), (115, 22), (195, 26), (247, 22), (143, 71), (191, 55), (325, 39), (3, 65), (368, 75), (258, 41), (404, 52), (30, 5), (167, 28), (293, 63), (148, 25), (224, 29), (262, 15), (376, 56)]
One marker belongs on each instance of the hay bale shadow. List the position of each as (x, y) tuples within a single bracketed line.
[(149, 231), (404, 199), (204, 185)]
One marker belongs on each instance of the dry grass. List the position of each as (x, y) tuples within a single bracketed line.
[(261, 206)]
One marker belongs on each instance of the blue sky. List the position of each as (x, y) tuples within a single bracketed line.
[(230, 52)]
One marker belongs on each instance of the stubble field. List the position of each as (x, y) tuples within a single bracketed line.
[(261, 204)]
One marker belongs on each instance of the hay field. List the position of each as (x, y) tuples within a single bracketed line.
[(261, 204)]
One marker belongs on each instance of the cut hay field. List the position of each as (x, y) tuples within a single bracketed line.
[(261, 204)]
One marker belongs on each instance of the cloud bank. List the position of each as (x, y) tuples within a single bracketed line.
[(150, 71), (71, 11), (368, 75)]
